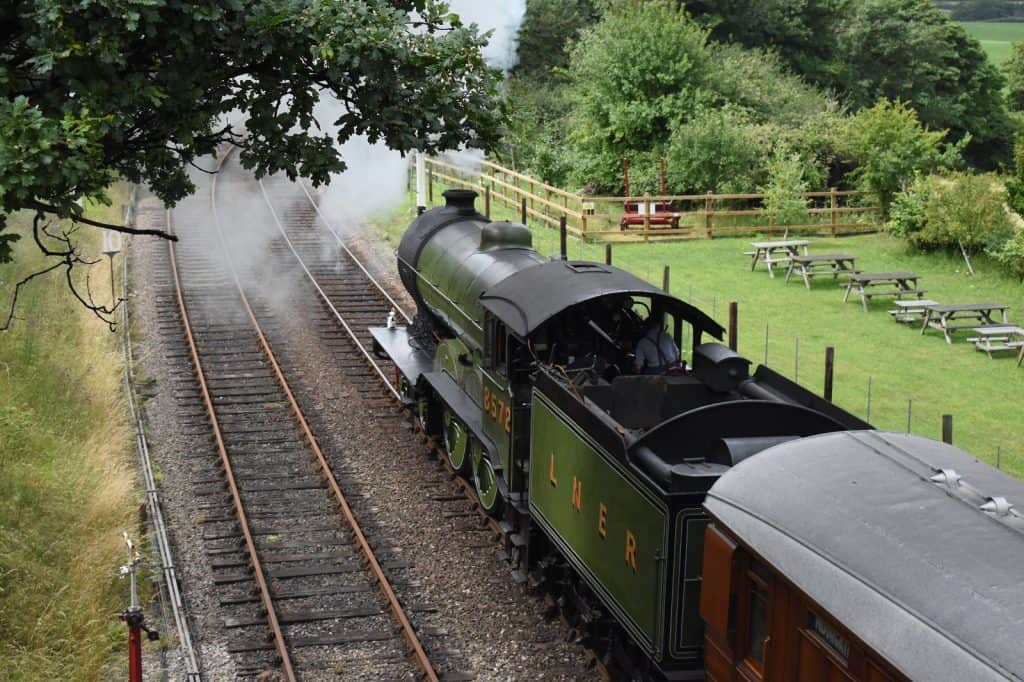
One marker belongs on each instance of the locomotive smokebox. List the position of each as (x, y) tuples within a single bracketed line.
[(459, 206)]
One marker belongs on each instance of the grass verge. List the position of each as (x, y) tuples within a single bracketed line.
[(66, 473), (885, 371)]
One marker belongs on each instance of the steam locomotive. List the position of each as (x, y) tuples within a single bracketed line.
[(659, 502)]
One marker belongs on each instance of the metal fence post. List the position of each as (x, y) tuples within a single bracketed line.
[(562, 238), (733, 325), (830, 366), (947, 429), (607, 254)]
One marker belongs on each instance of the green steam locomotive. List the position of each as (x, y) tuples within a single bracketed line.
[(524, 368)]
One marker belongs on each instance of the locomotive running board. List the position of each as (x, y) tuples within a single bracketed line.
[(394, 342)]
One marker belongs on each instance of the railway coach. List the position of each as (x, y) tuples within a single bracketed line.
[(523, 368)]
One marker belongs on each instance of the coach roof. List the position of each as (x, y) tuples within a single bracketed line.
[(913, 545)]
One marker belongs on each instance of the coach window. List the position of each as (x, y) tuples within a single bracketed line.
[(755, 600)]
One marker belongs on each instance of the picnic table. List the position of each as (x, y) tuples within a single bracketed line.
[(776, 252), (898, 284), (834, 264), (950, 318), (998, 337), (911, 311)]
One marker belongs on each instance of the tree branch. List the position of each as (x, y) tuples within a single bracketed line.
[(46, 208), (17, 289)]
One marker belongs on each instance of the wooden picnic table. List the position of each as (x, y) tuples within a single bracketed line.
[(910, 311), (993, 338), (776, 252), (834, 264), (898, 284), (950, 318)]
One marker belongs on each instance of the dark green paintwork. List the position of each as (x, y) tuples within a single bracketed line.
[(639, 595)]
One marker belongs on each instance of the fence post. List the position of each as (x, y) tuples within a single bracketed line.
[(733, 325), (607, 254), (487, 202), (523, 207), (707, 214), (830, 366), (666, 278), (562, 238), (947, 429), (430, 184), (833, 205), (647, 215), (532, 192)]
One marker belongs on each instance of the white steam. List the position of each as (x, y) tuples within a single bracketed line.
[(376, 175)]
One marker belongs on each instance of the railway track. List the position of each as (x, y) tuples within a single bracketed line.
[(274, 515)]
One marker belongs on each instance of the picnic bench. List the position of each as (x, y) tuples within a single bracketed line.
[(776, 252), (993, 338), (910, 311), (897, 284), (834, 264), (951, 318)]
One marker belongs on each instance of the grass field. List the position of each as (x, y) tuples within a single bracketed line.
[(66, 477), (908, 372), (996, 38)]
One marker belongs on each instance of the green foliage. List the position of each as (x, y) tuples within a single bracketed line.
[(783, 194), (1011, 254), (797, 29), (548, 27), (718, 150), (1015, 181), (647, 83), (966, 211), (907, 214), (888, 144), (1014, 71), (909, 50), (140, 88), (634, 74)]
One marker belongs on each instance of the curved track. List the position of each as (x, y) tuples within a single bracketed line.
[(314, 611)]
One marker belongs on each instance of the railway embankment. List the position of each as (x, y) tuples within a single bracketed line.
[(67, 479)]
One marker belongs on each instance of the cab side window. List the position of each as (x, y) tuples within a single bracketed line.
[(497, 346)]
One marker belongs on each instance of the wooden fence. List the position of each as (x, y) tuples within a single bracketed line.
[(600, 219)]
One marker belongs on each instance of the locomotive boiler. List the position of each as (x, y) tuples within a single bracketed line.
[(523, 368)]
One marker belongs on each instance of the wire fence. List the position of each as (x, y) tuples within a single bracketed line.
[(774, 342)]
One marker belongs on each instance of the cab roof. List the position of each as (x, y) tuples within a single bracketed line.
[(913, 545), (530, 297)]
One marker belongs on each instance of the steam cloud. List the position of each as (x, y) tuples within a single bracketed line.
[(376, 175)]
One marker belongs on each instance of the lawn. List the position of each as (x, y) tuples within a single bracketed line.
[(906, 372), (996, 37)]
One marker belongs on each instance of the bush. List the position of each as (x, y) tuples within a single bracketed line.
[(907, 214), (783, 195), (965, 212), (716, 151), (1011, 254)]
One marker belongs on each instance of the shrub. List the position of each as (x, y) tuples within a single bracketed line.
[(716, 151), (783, 195)]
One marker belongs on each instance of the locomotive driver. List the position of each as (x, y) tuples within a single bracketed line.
[(656, 351)]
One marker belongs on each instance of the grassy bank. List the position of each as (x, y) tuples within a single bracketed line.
[(920, 377), (66, 478), (996, 37)]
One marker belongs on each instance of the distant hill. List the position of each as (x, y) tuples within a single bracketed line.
[(983, 10)]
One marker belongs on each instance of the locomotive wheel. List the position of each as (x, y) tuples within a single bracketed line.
[(485, 481), (456, 441)]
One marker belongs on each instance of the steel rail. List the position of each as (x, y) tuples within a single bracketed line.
[(327, 300), (155, 511), (268, 603), (341, 243), (467, 487), (422, 660)]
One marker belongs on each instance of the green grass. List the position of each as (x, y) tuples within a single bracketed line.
[(983, 395), (66, 476), (996, 37)]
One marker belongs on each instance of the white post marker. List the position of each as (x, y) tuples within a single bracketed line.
[(421, 182), (112, 247)]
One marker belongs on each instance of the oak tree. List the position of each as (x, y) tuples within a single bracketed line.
[(139, 89)]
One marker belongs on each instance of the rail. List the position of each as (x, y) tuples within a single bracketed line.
[(422, 660)]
